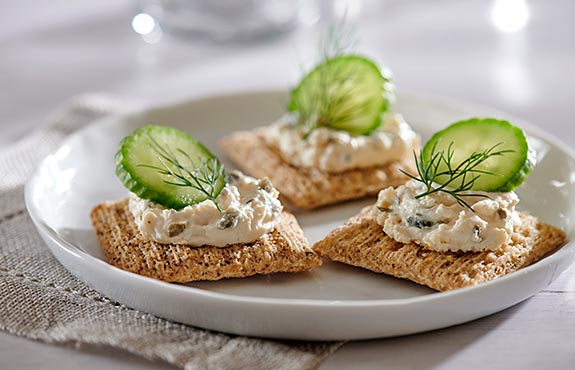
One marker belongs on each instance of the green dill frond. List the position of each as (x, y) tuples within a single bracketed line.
[(340, 39), (441, 174), (202, 177), (318, 107)]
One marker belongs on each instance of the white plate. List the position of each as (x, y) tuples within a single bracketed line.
[(331, 302)]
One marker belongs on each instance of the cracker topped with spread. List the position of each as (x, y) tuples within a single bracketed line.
[(339, 139), (186, 219), (454, 224)]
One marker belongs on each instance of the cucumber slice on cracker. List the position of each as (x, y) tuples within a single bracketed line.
[(499, 173), (169, 167), (348, 93)]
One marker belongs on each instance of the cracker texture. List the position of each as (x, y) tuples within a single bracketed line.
[(284, 249), (310, 188), (361, 242)]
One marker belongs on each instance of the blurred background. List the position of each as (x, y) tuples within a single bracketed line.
[(514, 55)]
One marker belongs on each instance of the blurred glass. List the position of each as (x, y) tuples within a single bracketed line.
[(223, 20)]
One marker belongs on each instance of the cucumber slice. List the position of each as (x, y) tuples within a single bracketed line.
[(347, 93), (502, 173), (145, 158)]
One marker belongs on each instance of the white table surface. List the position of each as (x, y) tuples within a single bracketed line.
[(52, 51)]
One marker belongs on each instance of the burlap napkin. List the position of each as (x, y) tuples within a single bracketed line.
[(40, 300)]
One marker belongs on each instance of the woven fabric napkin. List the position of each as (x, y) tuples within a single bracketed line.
[(40, 300)]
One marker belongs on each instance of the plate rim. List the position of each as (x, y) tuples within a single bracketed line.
[(76, 252)]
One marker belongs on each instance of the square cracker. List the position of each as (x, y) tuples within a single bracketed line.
[(284, 249), (361, 242), (309, 188)]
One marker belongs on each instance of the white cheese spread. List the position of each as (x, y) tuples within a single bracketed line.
[(249, 209), (338, 151), (439, 223)]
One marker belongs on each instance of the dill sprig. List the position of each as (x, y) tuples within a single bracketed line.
[(325, 104), (439, 173), (340, 38), (320, 106), (202, 177)]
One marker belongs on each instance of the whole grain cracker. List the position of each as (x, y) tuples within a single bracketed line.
[(284, 249), (361, 242), (309, 188)]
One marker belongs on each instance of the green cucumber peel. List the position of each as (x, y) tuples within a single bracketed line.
[(348, 93), (509, 158), (169, 167)]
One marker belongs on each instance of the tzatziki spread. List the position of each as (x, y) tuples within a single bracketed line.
[(338, 151), (249, 208), (439, 223)]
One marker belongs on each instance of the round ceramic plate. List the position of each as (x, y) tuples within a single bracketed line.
[(334, 301)]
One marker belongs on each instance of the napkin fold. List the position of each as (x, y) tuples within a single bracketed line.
[(41, 300)]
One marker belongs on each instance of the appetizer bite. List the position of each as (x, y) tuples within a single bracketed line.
[(186, 219), (339, 140), (455, 223)]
